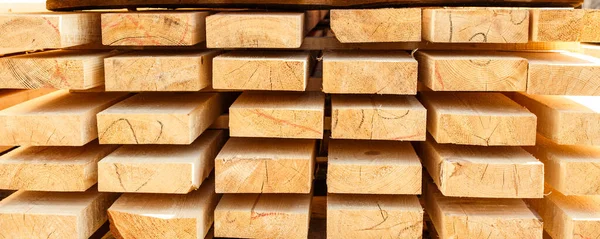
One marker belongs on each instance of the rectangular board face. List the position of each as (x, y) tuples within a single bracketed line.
[(556, 25), (589, 33), (159, 71), (249, 165), (265, 70), (473, 24), (376, 25), (153, 28), (464, 71), (346, 72), (255, 30), (278, 115), (400, 118), (10, 98), (374, 216), (486, 119), (373, 167)]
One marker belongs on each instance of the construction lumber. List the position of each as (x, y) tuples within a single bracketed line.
[(570, 120), (493, 218), (376, 25), (260, 29), (476, 24), (562, 73), (483, 172), (24, 6), (263, 216), (570, 169), (53, 215), (374, 216), (190, 215), (378, 117), (278, 115), (57, 169), (159, 118), (351, 72), (10, 98), (247, 165), (556, 24), (591, 50), (472, 71), (56, 119), (591, 20), (159, 71), (169, 169), (265, 70), (487, 119), (373, 167), (153, 28), (76, 70), (36, 31)]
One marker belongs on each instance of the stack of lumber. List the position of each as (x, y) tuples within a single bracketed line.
[(310, 119)]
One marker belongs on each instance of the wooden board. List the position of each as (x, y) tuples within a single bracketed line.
[(572, 170), (351, 72), (488, 119), (169, 169), (77, 70), (278, 115), (483, 172), (36, 31), (373, 167), (247, 165), (551, 25), (24, 6), (378, 117), (64, 169), (56, 119), (10, 98), (263, 216), (376, 25), (159, 118), (269, 70), (190, 215), (589, 32), (565, 119), (472, 71), (374, 216), (160, 71), (480, 218), (153, 28), (568, 217), (591, 50), (54, 215), (476, 24)]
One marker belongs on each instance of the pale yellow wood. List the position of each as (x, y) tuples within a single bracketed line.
[(278, 115), (35, 31), (9, 98), (567, 120), (556, 25), (223, 122), (173, 169), (352, 72), (153, 28), (40, 168), (472, 71), (488, 119), (159, 118), (476, 24), (568, 217), (160, 71), (265, 70), (23, 6), (247, 165), (77, 70), (56, 119), (373, 167), (263, 216), (562, 73), (591, 20), (388, 117), (54, 215), (190, 215), (483, 172), (480, 218), (376, 25), (591, 50)]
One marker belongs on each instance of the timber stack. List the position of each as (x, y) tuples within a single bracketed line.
[(300, 119)]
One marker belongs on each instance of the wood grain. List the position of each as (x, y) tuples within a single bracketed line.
[(552, 25), (376, 25)]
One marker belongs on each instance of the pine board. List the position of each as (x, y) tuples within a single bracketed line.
[(376, 25)]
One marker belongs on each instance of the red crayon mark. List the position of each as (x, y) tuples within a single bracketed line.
[(438, 76), (52, 25), (256, 215)]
